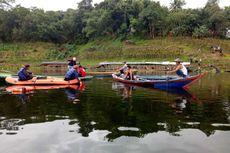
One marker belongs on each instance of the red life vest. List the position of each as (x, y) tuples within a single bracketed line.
[(81, 72)]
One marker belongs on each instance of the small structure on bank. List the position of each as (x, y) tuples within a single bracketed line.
[(140, 66), (228, 33), (55, 66)]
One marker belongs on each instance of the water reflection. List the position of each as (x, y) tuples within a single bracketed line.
[(180, 104), (10, 126), (123, 111), (24, 97)]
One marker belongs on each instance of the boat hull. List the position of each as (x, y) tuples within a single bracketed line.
[(37, 81), (161, 83)]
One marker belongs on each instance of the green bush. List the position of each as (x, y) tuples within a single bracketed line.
[(201, 32)]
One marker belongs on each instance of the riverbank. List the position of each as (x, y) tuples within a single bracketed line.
[(105, 49)]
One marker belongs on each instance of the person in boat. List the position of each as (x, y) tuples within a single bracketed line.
[(24, 73), (124, 68), (180, 69), (71, 63), (72, 74), (129, 73), (81, 71)]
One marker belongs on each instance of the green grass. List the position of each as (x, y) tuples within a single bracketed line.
[(107, 49)]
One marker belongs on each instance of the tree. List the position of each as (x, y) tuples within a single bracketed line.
[(200, 32), (214, 17), (177, 5), (151, 18), (5, 3)]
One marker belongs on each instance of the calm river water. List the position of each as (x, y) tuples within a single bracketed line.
[(108, 117)]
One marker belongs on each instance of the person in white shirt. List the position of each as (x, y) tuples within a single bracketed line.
[(124, 68), (180, 69)]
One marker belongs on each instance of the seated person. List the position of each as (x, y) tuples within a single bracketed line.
[(129, 74), (72, 62), (124, 68), (24, 74), (180, 69), (81, 71), (72, 74)]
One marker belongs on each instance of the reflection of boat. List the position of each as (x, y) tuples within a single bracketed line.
[(17, 89), (40, 81), (183, 92), (161, 82)]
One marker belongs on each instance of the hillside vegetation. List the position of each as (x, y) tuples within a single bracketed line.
[(113, 30), (158, 49)]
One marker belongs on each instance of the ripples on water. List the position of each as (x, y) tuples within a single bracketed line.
[(107, 116)]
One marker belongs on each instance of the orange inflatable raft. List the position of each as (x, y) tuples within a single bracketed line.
[(40, 81)]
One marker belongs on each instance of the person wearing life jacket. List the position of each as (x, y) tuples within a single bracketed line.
[(81, 71), (72, 74), (180, 69), (24, 73)]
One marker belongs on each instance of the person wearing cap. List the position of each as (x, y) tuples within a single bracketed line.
[(24, 73), (180, 69), (71, 63), (72, 73)]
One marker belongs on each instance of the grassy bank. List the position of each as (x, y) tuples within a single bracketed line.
[(104, 49)]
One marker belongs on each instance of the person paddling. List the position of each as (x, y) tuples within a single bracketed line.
[(81, 71), (124, 68), (180, 69), (24, 73), (72, 74), (129, 74)]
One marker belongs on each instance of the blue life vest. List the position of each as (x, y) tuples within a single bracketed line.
[(23, 75)]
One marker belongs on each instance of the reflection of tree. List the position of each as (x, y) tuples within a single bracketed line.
[(11, 125), (102, 109)]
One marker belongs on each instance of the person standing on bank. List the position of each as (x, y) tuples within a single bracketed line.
[(71, 63), (180, 69)]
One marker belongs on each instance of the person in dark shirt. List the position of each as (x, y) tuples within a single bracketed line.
[(71, 63), (72, 74), (24, 73), (129, 74)]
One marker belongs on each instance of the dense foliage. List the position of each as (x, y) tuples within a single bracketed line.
[(111, 18)]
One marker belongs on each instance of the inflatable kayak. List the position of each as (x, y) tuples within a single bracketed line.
[(169, 82), (40, 81)]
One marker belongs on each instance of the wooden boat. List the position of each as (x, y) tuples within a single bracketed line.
[(18, 89), (161, 83), (40, 81)]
